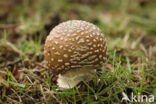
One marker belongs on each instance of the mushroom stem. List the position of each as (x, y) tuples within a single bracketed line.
[(71, 78)]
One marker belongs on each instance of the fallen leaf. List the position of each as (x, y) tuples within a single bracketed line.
[(110, 66)]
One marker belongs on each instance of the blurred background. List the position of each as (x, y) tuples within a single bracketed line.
[(128, 25)]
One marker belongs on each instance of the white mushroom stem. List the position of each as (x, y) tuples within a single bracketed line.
[(73, 77)]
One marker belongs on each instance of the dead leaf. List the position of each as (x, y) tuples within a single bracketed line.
[(110, 66)]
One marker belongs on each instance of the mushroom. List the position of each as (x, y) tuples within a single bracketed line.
[(73, 51)]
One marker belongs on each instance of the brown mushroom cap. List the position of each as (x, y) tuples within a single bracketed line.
[(75, 44)]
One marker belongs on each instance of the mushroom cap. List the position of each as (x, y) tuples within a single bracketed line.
[(75, 44)]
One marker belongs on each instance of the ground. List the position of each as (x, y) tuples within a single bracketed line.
[(128, 25)]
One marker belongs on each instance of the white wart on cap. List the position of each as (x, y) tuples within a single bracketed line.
[(74, 50)]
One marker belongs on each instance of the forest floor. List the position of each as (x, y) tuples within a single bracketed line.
[(128, 25)]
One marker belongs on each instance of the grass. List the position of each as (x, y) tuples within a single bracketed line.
[(130, 31)]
